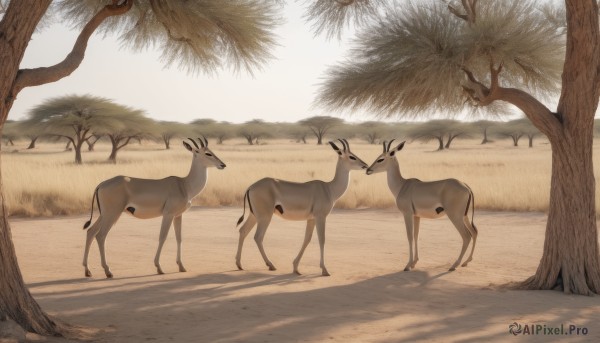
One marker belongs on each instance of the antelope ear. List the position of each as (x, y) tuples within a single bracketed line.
[(335, 148), (187, 146), (397, 148)]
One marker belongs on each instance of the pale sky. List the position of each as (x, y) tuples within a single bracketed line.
[(283, 91)]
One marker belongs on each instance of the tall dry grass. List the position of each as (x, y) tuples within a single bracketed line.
[(46, 182)]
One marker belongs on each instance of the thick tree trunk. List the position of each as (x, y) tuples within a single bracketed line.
[(113, 155), (571, 258), (319, 140), (530, 141)]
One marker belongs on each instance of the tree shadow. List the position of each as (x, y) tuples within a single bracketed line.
[(257, 307)]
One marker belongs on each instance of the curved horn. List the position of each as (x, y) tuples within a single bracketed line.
[(196, 145), (347, 144), (205, 141), (201, 143), (384, 146), (390, 144), (343, 144)]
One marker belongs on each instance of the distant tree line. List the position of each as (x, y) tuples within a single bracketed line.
[(85, 119)]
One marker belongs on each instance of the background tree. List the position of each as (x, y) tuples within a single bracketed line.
[(212, 129), (167, 130), (11, 132), (443, 131), (75, 117), (442, 57), (92, 140), (197, 35), (372, 131), (513, 129), (484, 126), (253, 130), (320, 125), (133, 124)]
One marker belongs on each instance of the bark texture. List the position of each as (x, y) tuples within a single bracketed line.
[(16, 28)]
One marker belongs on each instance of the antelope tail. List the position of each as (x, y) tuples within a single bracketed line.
[(87, 224), (471, 203), (246, 198)]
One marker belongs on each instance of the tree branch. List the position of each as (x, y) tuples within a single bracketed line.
[(43, 75)]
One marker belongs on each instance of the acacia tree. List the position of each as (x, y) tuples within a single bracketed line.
[(199, 35), (133, 124), (434, 56), (253, 130), (320, 125), (167, 130), (444, 131), (512, 130), (484, 126), (75, 117)]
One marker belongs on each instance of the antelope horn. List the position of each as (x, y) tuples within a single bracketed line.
[(196, 145), (384, 146), (390, 144), (343, 144)]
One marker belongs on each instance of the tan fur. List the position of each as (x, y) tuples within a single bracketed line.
[(417, 199)]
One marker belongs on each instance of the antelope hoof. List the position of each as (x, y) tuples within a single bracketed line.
[(88, 273), (271, 267), (412, 266), (452, 269), (464, 264), (109, 275), (297, 272), (159, 270), (239, 266), (325, 273), (182, 269)]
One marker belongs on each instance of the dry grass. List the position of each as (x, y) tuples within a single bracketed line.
[(46, 182)]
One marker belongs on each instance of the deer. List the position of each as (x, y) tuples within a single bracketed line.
[(169, 197), (311, 201), (418, 199)]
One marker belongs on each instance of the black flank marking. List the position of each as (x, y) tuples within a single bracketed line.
[(439, 210), (279, 209), (131, 209)]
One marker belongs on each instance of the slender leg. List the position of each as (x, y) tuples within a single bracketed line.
[(164, 231), (473, 231), (416, 224), (101, 239), (310, 226), (321, 235), (90, 235), (177, 225), (261, 229), (466, 237), (244, 231), (408, 221)]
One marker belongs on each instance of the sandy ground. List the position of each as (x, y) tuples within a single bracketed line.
[(368, 298)]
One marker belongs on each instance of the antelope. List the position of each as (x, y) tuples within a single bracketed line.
[(418, 199), (147, 198), (311, 201)]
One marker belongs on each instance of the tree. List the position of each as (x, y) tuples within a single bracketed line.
[(484, 126), (373, 131), (198, 35), (212, 129), (10, 132), (74, 117), (92, 140), (430, 57), (512, 129), (167, 130), (253, 130), (133, 124), (444, 131), (320, 125)]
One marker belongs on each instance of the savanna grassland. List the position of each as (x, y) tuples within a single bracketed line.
[(45, 181)]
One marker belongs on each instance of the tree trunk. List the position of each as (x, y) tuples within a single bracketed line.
[(530, 141), (441, 143), (250, 140), (515, 140), (78, 159), (68, 146), (16, 27), (32, 143), (319, 140), (570, 261), (485, 136), (113, 154)]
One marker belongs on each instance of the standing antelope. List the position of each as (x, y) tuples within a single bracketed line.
[(311, 201), (417, 199), (144, 198)]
